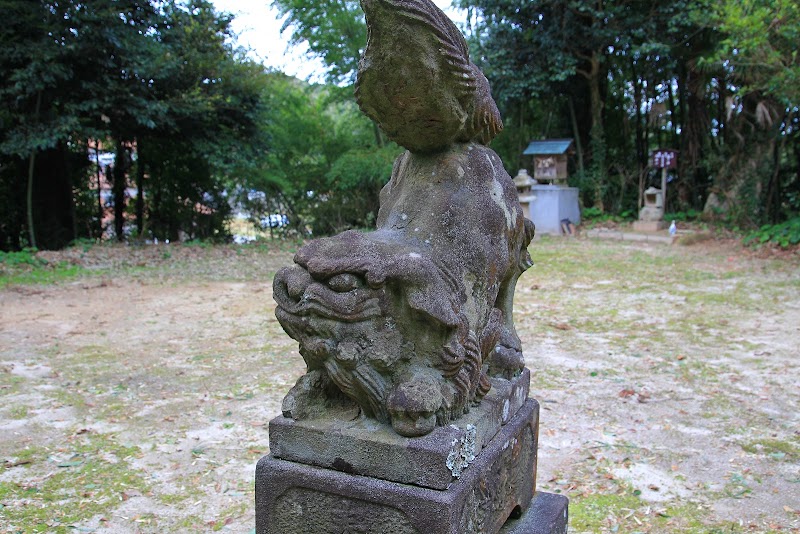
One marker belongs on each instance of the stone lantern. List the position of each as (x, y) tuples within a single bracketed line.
[(651, 216), (524, 183)]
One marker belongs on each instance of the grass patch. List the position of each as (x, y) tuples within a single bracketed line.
[(172, 498), (26, 268), (546, 378), (228, 515), (48, 274), (93, 475), (18, 412), (587, 514), (774, 448), (690, 519), (10, 384)]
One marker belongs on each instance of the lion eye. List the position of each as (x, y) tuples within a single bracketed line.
[(342, 283)]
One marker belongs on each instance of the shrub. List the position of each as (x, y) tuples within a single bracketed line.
[(785, 234)]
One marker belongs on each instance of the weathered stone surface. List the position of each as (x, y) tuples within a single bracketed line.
[(646, 225), (416, 79), (293, 498), (412, 416), (344, 441), (548, 514), (410, 321)]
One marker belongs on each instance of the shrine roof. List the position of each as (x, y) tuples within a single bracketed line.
[(548, 147)]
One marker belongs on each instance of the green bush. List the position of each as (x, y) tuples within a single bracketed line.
[(683, 216), (785, 234), (595, 214), (26, 256)]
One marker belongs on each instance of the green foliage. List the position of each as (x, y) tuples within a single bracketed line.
[(595, 214), (36, 271), (333, 29), (323, 171), (683, 216), (716, 80), (156, 81), (592, 212), (785, 235), (26, 256), (354, 183), (760, 44)]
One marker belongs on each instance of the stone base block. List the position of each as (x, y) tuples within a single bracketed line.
[(547, 514), (294, 498), (649, 226), (354, 444)]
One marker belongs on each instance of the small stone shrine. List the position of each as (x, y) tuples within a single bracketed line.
[(413, 415), (651, 216), (548, 201)]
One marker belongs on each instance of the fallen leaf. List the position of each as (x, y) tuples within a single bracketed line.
[(627, 393)]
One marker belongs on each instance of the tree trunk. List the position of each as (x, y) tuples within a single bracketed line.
[(597, 133), (118, 187), (693, 132), (672, 113), (140, 188), (641, 156), (31, 161), (378, 135), (31, 232), (773, 204), (99, 191), (576, 134), (67, 154)]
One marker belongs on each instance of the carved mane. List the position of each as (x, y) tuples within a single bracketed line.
[(461, 77)]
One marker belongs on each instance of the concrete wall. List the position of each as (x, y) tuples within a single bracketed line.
[(547, 205)]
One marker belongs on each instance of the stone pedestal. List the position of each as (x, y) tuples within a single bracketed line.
[(345, 441), (498, 484), (548, 513), (649, 226), (298, 498)]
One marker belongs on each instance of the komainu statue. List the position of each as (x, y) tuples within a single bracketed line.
[(410, 321)]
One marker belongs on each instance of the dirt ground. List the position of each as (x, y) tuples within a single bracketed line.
[(135, 392)]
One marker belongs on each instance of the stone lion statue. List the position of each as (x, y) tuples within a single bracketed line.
[(409, 321)]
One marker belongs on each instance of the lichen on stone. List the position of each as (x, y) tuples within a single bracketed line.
[(463, 452)]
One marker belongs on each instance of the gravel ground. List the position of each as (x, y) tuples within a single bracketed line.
[(136, 384)]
